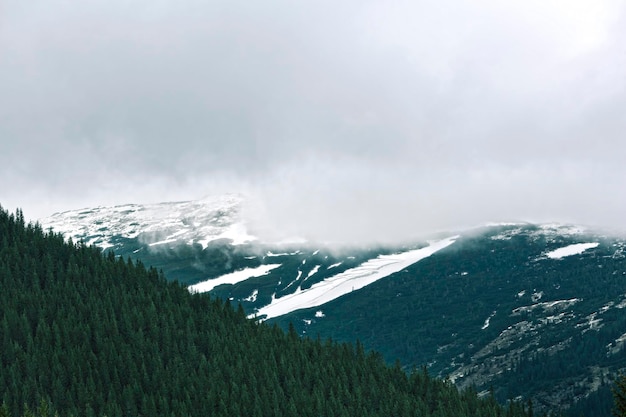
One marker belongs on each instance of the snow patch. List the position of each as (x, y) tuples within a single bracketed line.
[(319, 314), (272, 254), (550, 230), (546, 306), (200, 221), (562, 229), (252, 297), (592, 323), (488, 320), (507, 234), (294, 281), (164, 242), (502, 224), (575, 249), (334, 265), (350, 280), (313, 271), (232, 278)]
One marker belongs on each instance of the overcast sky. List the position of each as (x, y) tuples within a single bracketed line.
[(340, 119)]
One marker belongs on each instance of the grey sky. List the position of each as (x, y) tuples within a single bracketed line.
[(341, 120)]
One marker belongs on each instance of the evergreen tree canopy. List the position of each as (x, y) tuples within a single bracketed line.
[(90, 334), (619, 396)]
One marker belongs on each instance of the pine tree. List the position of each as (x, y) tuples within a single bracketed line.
[(619, 397), (110, 337)]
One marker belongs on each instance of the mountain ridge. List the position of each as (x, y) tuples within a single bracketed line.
[(194, 221), (92, 334), (503, 304)]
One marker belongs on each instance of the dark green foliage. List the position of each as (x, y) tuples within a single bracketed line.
[(93, 335), (188, 264), (619, 395), (434, 312), (598, 403)]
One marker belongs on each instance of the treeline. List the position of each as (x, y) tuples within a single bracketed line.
[(89, 334)]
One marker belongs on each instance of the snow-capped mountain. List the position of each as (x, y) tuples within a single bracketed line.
[(155, 229), (536, 310), (189, 222)]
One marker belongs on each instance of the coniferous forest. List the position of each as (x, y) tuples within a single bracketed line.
[(90, 334)]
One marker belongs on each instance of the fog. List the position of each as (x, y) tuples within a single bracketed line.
[(358, 121)]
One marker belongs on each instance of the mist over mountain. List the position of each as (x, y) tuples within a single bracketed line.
[(87, 333), (360, 121), (441, 180), (534, 309)]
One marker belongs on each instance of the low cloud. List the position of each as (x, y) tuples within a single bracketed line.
[(355, 122)]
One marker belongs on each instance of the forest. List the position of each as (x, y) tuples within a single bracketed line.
[(471, 307), (87, 333)]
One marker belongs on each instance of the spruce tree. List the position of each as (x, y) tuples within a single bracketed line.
[(619, 397)]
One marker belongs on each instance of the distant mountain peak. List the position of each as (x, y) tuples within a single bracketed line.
[(193, 222)]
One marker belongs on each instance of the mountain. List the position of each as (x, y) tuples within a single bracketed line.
[(190, 222), (91, 334), (535, 311)]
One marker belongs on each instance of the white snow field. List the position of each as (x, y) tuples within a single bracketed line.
[(200, 221), (348, 281), (233, 278), (575, 249)]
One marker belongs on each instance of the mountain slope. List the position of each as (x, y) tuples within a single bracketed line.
[(190, 222), (498, 308), (535, 310), (99, 335)]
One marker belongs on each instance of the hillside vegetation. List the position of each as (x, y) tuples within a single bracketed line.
[(493, 310), (91, 334), (531, 311)]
